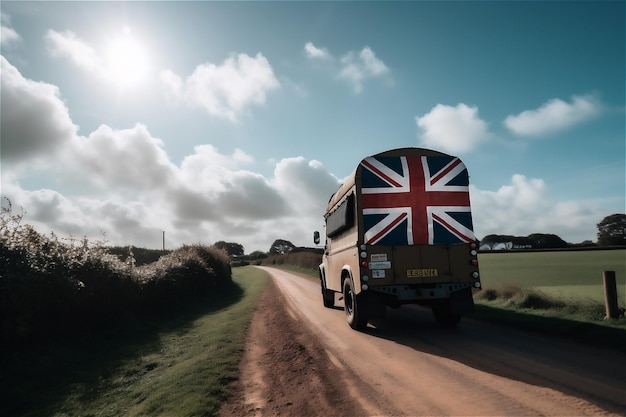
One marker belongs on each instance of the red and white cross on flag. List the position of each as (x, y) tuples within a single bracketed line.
[(408, 200)]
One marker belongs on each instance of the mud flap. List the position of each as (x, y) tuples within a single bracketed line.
[(462, 302), (374, 306)]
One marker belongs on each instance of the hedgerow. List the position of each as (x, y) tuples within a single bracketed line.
[(303, 259), (52, 288)]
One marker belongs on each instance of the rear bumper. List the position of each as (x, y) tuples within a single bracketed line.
[(416, 293)]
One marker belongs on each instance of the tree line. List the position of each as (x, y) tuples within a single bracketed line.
[(278, 247), (611, 232)]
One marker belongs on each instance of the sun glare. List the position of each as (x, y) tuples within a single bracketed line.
[(126, 61)]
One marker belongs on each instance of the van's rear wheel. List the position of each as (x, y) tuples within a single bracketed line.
[(353, 306), (444, 315)]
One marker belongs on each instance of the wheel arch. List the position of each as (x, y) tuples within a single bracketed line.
[(346, 273)]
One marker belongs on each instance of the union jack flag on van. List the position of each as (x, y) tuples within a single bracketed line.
[(411, 200)]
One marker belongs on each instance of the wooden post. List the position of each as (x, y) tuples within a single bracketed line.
[(610, 294)]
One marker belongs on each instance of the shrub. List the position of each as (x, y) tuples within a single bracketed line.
[(186, 274), (51, 288), (517, 297), (142, 256), (538, 300)]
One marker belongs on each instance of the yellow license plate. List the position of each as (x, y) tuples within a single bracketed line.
[(421, 273)]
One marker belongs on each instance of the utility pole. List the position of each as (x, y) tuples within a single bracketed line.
[(164, 240)]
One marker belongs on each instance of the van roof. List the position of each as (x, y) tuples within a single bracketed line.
[(350, 179)]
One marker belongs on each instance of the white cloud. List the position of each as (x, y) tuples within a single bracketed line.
[(307, 185), (553, 116), (314, 52), (123, 183), (452, 129), (372, 65), (524, 206), (127, 159), (241, 156), (8, 35), (224, 90), (68, 45), (34, 120), (224, 190), (355, 68)]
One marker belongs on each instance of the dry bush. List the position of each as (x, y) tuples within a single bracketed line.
[(520, 297)]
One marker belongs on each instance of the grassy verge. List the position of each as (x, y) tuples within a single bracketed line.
[(177, 364), (606, 334)]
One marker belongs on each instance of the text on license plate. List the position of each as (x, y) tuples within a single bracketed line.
[(420, 273)]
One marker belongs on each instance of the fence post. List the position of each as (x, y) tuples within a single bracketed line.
[(610, 294)]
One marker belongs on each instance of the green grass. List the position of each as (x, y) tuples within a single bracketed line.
[(178, 364), (558, 293), (566, 274)]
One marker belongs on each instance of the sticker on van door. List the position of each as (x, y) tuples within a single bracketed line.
[(380, 265), (378, 273)]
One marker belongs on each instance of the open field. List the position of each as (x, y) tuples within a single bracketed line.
[(174, 364), (566, 274)]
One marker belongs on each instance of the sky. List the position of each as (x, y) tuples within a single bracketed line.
[(236, 121)]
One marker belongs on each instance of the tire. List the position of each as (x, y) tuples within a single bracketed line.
[(444, 316), (353, 306)]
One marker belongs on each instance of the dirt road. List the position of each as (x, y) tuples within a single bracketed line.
[(302, 360)]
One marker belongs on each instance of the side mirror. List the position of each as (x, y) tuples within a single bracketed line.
[(316, 237)]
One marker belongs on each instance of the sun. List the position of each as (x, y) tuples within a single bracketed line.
[(126, 61)]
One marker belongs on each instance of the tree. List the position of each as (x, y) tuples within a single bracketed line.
[(612, 230), (280, 247), (257, 254), (532, 241), (492, 242), (231, 248), (546, 241)]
